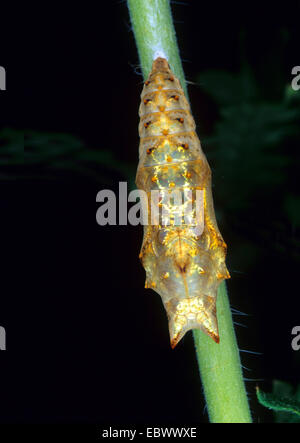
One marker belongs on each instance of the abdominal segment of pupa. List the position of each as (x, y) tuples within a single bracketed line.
[(184, 264)]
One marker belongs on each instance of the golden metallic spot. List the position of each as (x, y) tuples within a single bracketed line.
[(146, 101), (175, 97), (169, 158), (146, 124), (172, 184), (166, 275), (185, 146), (181, 120), (147, 82), (179, 321), (165, 131), (188, 175), (149, 151), (153, 284), (162, 108), (154, 179)]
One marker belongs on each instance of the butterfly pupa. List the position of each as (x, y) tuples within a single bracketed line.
[(183, 267)]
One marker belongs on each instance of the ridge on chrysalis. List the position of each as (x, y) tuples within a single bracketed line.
[(184, 267)]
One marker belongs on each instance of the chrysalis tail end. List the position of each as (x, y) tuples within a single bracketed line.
[(204, 319)]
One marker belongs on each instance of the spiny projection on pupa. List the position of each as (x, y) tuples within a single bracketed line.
[(183, 265)]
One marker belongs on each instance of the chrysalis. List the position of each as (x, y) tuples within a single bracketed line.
[(183, 266)]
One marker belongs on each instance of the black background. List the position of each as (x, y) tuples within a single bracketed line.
[(85, 342)]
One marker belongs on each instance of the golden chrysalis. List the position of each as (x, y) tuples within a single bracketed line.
[(183, 266)]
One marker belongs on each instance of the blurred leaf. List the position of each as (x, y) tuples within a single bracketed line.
[(291, 95), (11, 147), (284, 403), (246, 146), (292, 208), (45, 148), (49, 154), (227, 88)]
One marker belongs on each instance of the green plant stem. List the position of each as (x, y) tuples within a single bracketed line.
[(220, 369), (219, 364), (155, 34)]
